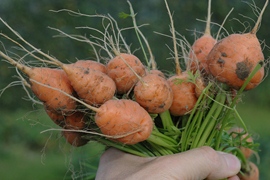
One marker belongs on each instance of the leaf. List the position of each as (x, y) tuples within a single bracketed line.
[(123, 15)]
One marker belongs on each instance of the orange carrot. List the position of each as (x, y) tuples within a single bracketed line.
[(184, 97), (91, 65), (233, 58), (52, 99), (124, 76), (251, 174), (199, 86), (74, 138), (126, 118), (94, 87), (153, 93), (157, 72), (77, 120), (201, 48), (57, 118)]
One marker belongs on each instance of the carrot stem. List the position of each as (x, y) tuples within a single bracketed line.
[(161, 150), (185, 139), (132, 14), (139, 147), (208, 119), (255, 28), (213, 121), (23, 68), (177, 64), (166, 120), (120, 147), (207, 28), (156, 139)]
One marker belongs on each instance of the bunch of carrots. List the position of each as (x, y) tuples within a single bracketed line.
[(131, 105)]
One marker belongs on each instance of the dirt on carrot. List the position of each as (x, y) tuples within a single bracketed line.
[(124, 118), (153, 93), (234, 57), (124, 76)]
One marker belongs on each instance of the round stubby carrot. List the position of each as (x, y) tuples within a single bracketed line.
[(252, 174), (74, 138), (93, 86), (233, 58), (201, 48), (184, 97), (157, 72), (125, 118), (52, 98), (75, 121), (124, 76), (91, 65), (153, 93), (199, 86), (57, 118)]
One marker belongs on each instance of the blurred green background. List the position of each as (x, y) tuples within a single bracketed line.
[(26, 153)]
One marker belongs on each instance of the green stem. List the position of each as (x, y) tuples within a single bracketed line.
[(166, 120), (121, 147), (189, 128), (142, 149), (161, 142), (161, 150), (213, 121), (163, 137), (206, 120)]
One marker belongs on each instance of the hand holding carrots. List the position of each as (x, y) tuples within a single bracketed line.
[(200, 163)]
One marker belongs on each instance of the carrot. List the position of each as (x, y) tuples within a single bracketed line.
[(93, 86), (75, 121), (124, 76), (57, 118), (85, 81), (157, 72), (153, 93), (121, 120), (251, 174), (201, 48), (184, 98), (199, 86), (74, 138), (91, 65), (56, 78), (124, 117), (234, 57)]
